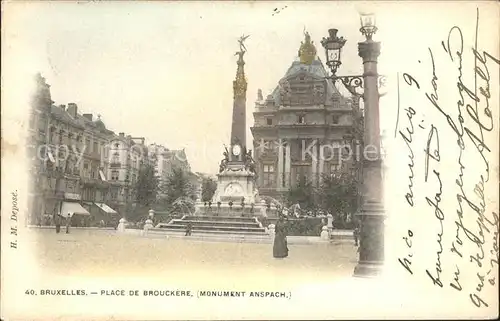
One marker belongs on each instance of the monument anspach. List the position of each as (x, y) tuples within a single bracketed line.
[(235, 207)]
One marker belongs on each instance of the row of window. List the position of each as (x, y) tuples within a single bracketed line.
[(269, 173), (115, 159), (91, 194), (115, 176), (60, 137), (302, 120)]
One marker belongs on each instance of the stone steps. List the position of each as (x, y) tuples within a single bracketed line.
[(196, 231), (220, 218), (213, 228), (215, 224)]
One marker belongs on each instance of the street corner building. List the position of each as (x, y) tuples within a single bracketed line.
[(300, 129), (80, 170)]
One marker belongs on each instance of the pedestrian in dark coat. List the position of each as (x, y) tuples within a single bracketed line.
[(189, 227), (356, 236), (280, 247), (68, 222)]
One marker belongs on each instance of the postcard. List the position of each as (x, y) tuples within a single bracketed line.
[(250, 160)]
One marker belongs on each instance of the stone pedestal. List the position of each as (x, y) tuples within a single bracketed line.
[(371, 241), (263, 208), (330, 222), (325, 234), (234, 184), (271, 230), (121, 225), (147, 226)]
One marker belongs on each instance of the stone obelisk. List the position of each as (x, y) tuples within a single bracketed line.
[(238, 128), (236, 178)]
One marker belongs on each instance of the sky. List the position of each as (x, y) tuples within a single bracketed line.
[(164, 70)]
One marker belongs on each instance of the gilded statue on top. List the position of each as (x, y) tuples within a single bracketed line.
[(243, 49), (242, 44), (307, 51)]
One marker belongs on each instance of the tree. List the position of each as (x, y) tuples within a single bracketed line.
[(208, 187), (302, 194), (146, 187), (177, 186), (338, 195)]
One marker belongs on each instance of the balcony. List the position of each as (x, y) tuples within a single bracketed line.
[(72, 173), (93, 182), (115, 165), (50, 194)]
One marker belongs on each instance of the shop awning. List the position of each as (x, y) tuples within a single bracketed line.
[(106, 208), (70, 208)]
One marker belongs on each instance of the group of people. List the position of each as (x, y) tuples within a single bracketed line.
[(58, 224), (280, 246), (59, 220)]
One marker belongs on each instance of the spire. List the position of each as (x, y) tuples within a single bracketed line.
[(307, 51), (238, 127), (240, 83)]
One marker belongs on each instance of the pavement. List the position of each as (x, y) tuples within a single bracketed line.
[(338, 236), (103, 253), (316, 278)]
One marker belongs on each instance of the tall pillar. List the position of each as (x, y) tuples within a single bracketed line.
[(238, 127), (321, 160), (280, 165), (371, 252), (261, 175), (314, 164), (288, 174)]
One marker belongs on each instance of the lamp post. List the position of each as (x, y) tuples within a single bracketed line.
[(371, 251)]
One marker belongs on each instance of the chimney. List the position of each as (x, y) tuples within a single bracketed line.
[(63, 107), (72, 109), (88, 116), (121, 134)]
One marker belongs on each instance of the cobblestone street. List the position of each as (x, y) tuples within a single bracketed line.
[(104, 253)]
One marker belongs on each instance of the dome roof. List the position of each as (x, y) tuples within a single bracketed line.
[(306, 82), (98, 122), (314, 69)]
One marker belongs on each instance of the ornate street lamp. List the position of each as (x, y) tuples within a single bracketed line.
[(333, 45), (368, 25), (333, 48), (371, 216)]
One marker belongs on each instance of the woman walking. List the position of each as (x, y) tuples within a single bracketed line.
[(58, 223), (280, 248)]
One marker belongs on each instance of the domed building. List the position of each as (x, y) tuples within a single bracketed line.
[(300, 126)]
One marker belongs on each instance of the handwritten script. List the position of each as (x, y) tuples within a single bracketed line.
[(455, 87)]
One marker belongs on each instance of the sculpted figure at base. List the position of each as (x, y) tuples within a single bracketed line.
[(224, 161), (249, 162)]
